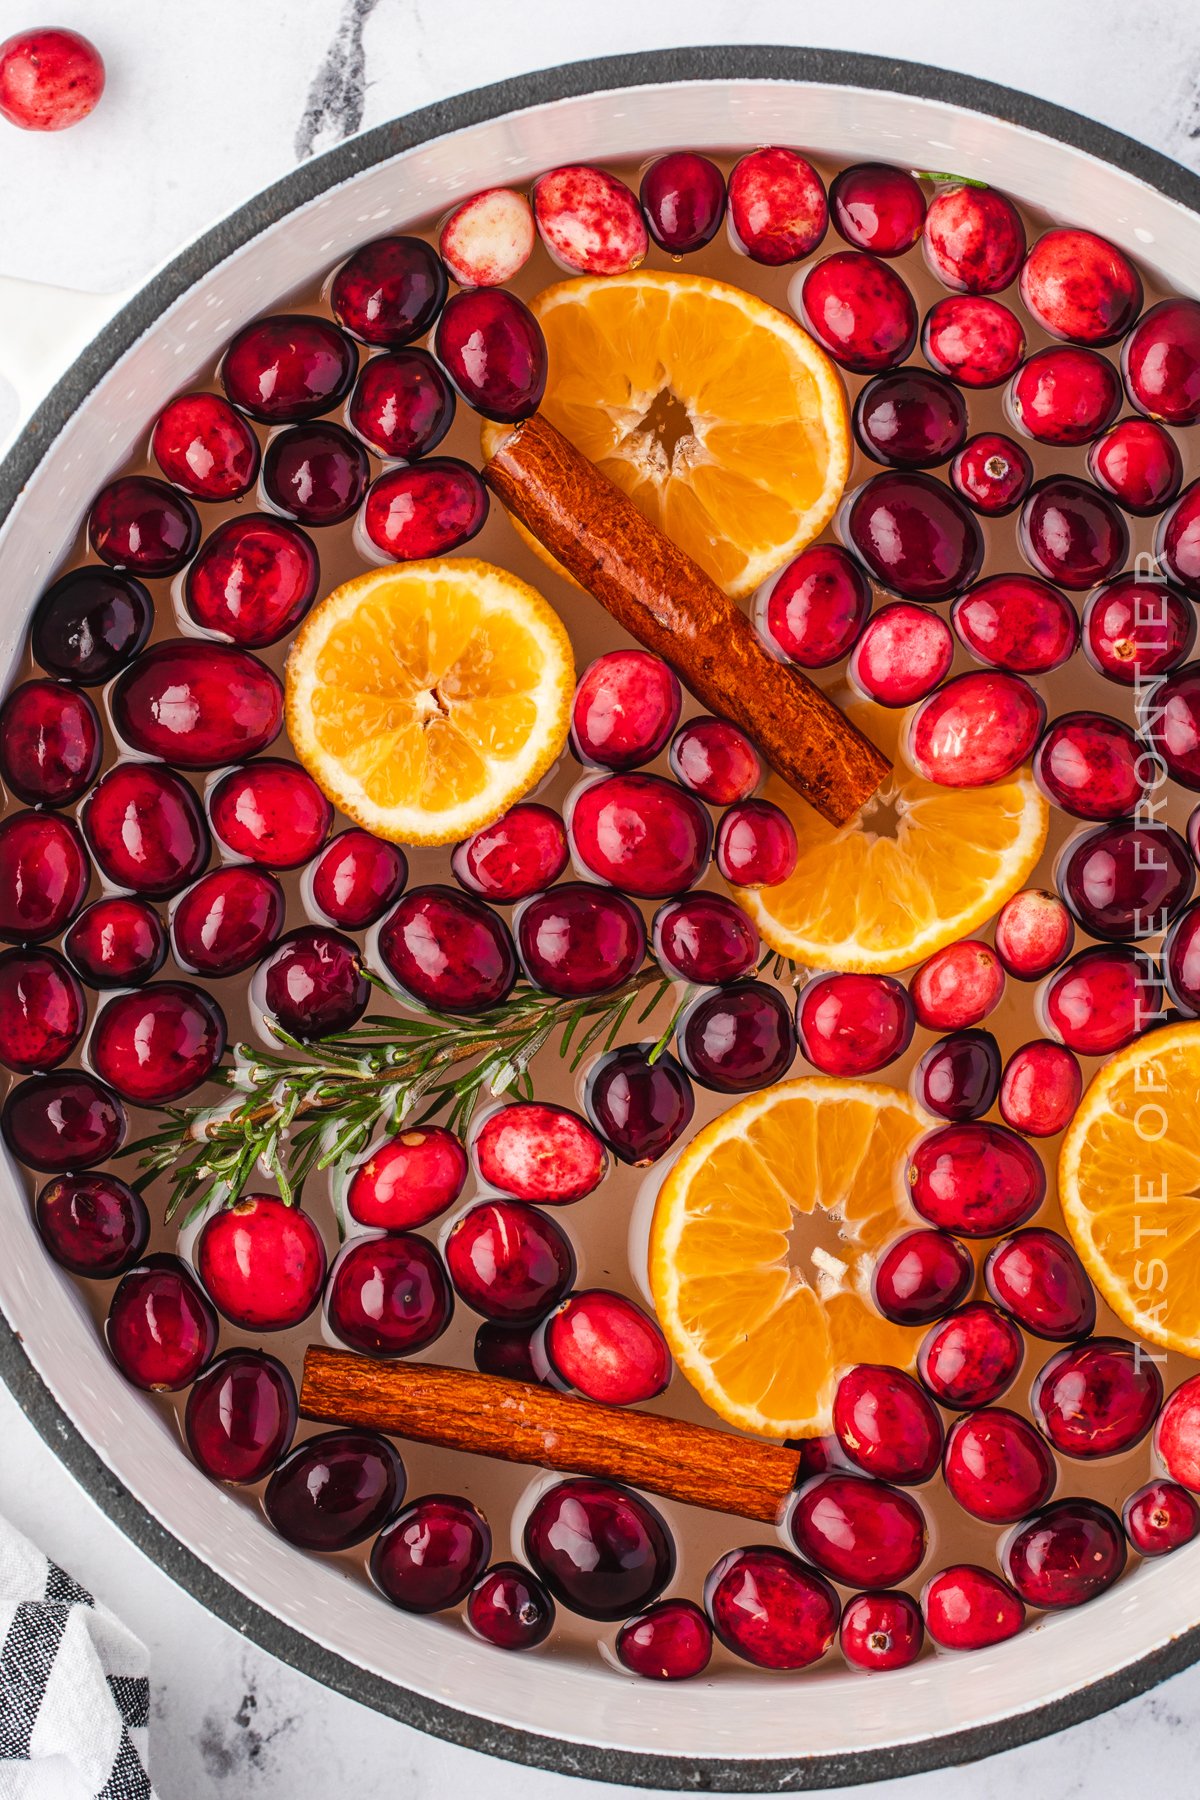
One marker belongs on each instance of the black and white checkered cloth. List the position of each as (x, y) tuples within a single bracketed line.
[(74, 1693)]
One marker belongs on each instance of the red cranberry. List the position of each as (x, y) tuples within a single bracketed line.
[(389, 1296), (205, 448), (957, 986), (878, 208), (1177, 1435), (975, 1179), (253, 580), (716, 760), (198, 705), (538, 1152), (288, 367), (1138, 463), (859, 310), (522, 853), (881, 1630), (42, 1010), (626, 707), (886, 1425), (668, 1642), (157, 1043), (161, 1330), (639, 1107), (49, 79), (1177, 541), (969, 1608), (62, 1122), (705, 938), (1102, 999), (430, 1556), (1065, 396), (142, 524), (578, 939), (402, 404), (922, 1276), (910, 419), (334, 1490), (425, 511), (1040, 1089), (227, 921), (448, 950), (858, 1531), (510, 1608), (737, 1038), (959, 1076), (1017, 622), (1173, 724), (315, 473), (1181, 961), (977, 729), (914, 535), (408, 1180), (756, 844), (977, 342), (605, 1347), (1127, 881), (117, 943), (777, 207), (313, 984), (507, 1350), (241, 1416), (357, 878), (1066, 1554), (93, 1225), (1135, 628), (1072, 533), (508, 1261), (903, 653), (992, 474), (390, 291), (1034, 934), (683, 198), (49, 743), (89, 624), (642, 833), (1080, 287), (589, 221), (997, 1466), (812, 610), (970, 1358), (493, 350), (1091, 766), (769, 1608), (1161, 362), (1037, 1276), (1097, 1398), (973, 239), (270, 812), (43, 876), (854, 1024), (601, 1549), (1160, 1517)]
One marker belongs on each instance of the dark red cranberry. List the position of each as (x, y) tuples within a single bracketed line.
[(1040, 1088), (448, 950), (270, 812), (118, 943), (402, 404), (641, 833), (357, 877), (769, 1608), (969, 1608), (1173, 723), (970, 1358), (1161, 362), (922, 1276), (1102, 999), (241, 1416), (977, 342), (49, 78), (1036, 1275), (668, 1642), (63, 1122), (1091, 765), (606, 1348), (1181, 961), (161, 1330), (313, 984), (42, 1010), (854, 1024), (737, 1038), (1097, 1398), (1034, 934), (141, 524), (601, 1549), (683, 198), (227, 921), (89, 624), (903, 653), (390, 291), (957, 986), (777, 206), (910, 419), (959, 1076), (859, 310), (431, 1554), (507, 1350), (973, 239), (914, 535), (705, 938), (389, 1296), (992, 474), (157, 1043), (756, 844), (977, 729), (425, 511), (1177, 541), (886, 1425), (408, 1180), (508, 1261), (43, 876), (538, 1152), (262, 1263), (1065, 395), (997, 1465), (1080, 287), (253, 580), (521, 854), (1135, 628), (579, 939), (877, 207), (858, 1531), (639, 1107), (198, 705), (976, 1179), (1127, 881), (812, 611), (49, 743), (145, 828), (1065, 1554), (509, 1607), (335, 1489), (316, 474), (93, 1225), (493, 350), (1017, 622), (1072, 533), (287, 367), (205, 448), (882, 1629), (626, 706), (1138, 463), (1160, 1518)]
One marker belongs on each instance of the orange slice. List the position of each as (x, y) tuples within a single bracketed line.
[(919, 866), (1129, 1184), (716, 413), (427, 697), (764, 1238)]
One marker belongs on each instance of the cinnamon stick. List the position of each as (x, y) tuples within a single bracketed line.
[(662, 598), (490, 1415)]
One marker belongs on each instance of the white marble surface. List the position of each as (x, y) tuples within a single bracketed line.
[(205, 104)]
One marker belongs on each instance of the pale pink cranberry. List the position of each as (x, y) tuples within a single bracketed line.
[(1177, 541), (1040, 1089), (877, 207), (1160, 1517), (1072, 533), (509, 1607), (488, 239), (886, 1425), (1097, 1398), (541, 1153), (881, 1630), (408, 1179), (357, 877), (861, 1532), (49, 79), (198, 705), (227, 921), (252, 580), (157, 1043), (777, 206), (1066, 1554), (403, 404), (1177, 1436), (508, 1261), (141, 524), (161, 1330), (716, 760), (969, 1608), (205, 447), (493, 350), (390, 291), (957, 986), (389, 1296), (975, 1179), (1017, 622), (1065, 395), (770, 1608), (671, 1641), (1138, 463), (606, 1348), (992, 474), (858, 309), (262, 1263), (997, 1465), (756, 844), (626, 706), (1161, 362), (977, 729), (959, 1076), (971, 1357), (977, 342), (683, 198), (1036, 1275), (426, 511), (914, 534), (812, 610), (287, 367), (922, 1276), (1080, 287), (1102, 999), (642, 833), (854, 1024), (903, 653), (523, 853), (589, 221), (1034, 933), (270, 812), (973, 239)]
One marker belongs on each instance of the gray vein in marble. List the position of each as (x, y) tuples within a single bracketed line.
[(337, 97), (239, 1748)]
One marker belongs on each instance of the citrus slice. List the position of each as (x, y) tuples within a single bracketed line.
[(716, 413), (425, 698), (1129, 1185), (919, 866), (764, 1238)]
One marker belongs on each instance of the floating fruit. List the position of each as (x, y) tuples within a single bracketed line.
[(589, 221), (881, 1630), (315, 473), (858, 309), (262, 1263), (737, 1038), (922, 1276), (910, 419), (489, 238), (778, 212), (521, 854), (389, 1296), (1137, 461), (877, 207), (914, 535), (606, 1348), (601, 1549), (1037, 1277), (974, 340), (770, 1608), (969, 1608), (626, 706), (1034, 934), (408, 1180), (334, 1490), (683, 198), (854, 1024), (756, 844), (390, 291), (508, 1261), (639, 1107), (670, 1641), (198, 705), (1067, 1553), (141, 524), (904, 651), (716, 760), (205, 447), (431, 1554), (492, 348), (241, 1416), (579, 939), (287, 367), (90, 623), (253, 579), (992, 473), (973, 238), (976, 1179), (425, 511), (642, 833), (971, 1357), (1161, 361), (812, 610), (402, 404), (538, 1152), (49, 743), (510, 1608)]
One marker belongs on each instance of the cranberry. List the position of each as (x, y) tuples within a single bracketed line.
[(142, 524), (402, 405), (737, 1038), (408, 1180), (706, 939), (49, 79), (589, 221), (253, 580), (425, 511), (43, 876), (642, 833), (1037, 1276), (992, 474), (1072, 533), (854, 1024), (777, 207), (1161, 362), (578, 940), (227, 921), (161, 1330), (997, 1466), (507, 1350), (1138, 463), (977, 729), (89, 624), (334, 1490), (957, 986), (910, 419), (49, 743), (448, 950), (973, 239), (858, 309), (288, 367), (157, 1043), (93, 1225), (601, 1549), (977, 342), (522, 853), (626, 707), (683, 198), (262, 1263), (605, 1347), (489, 238), (1018, 623), (205, 448), (886, 1425), (1097, 1398), (812, 610), (878, 208), (117, 943), (970, 1358), (1127, 881), (316, 473), (668, 1642), (313, 985), (1102, 999), (1177, 1435), (198, 705), (769, 1608), (509, 1607), (241, 1416), (1135, 628), (1040, 1089), (1034, 934), (42, 1010), (270, 812), (858, 1531), (389, 1296), (357, 878), (716, 760), (1177, 541), (1066, 1554), (1160, 1517), (975, 1179), (62, 1122), (914, 535), (1181, 961), (430, 1556), (508, 1261), (922, 1276), (881, 1630), (1091, 766), (538, 1152), (1065, 396), (959, 1076), (493, 350), (903, 653), (1080, 287), (1173, 724), (639, 1107), (756, 844), (390, 291), (969, 1608)]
